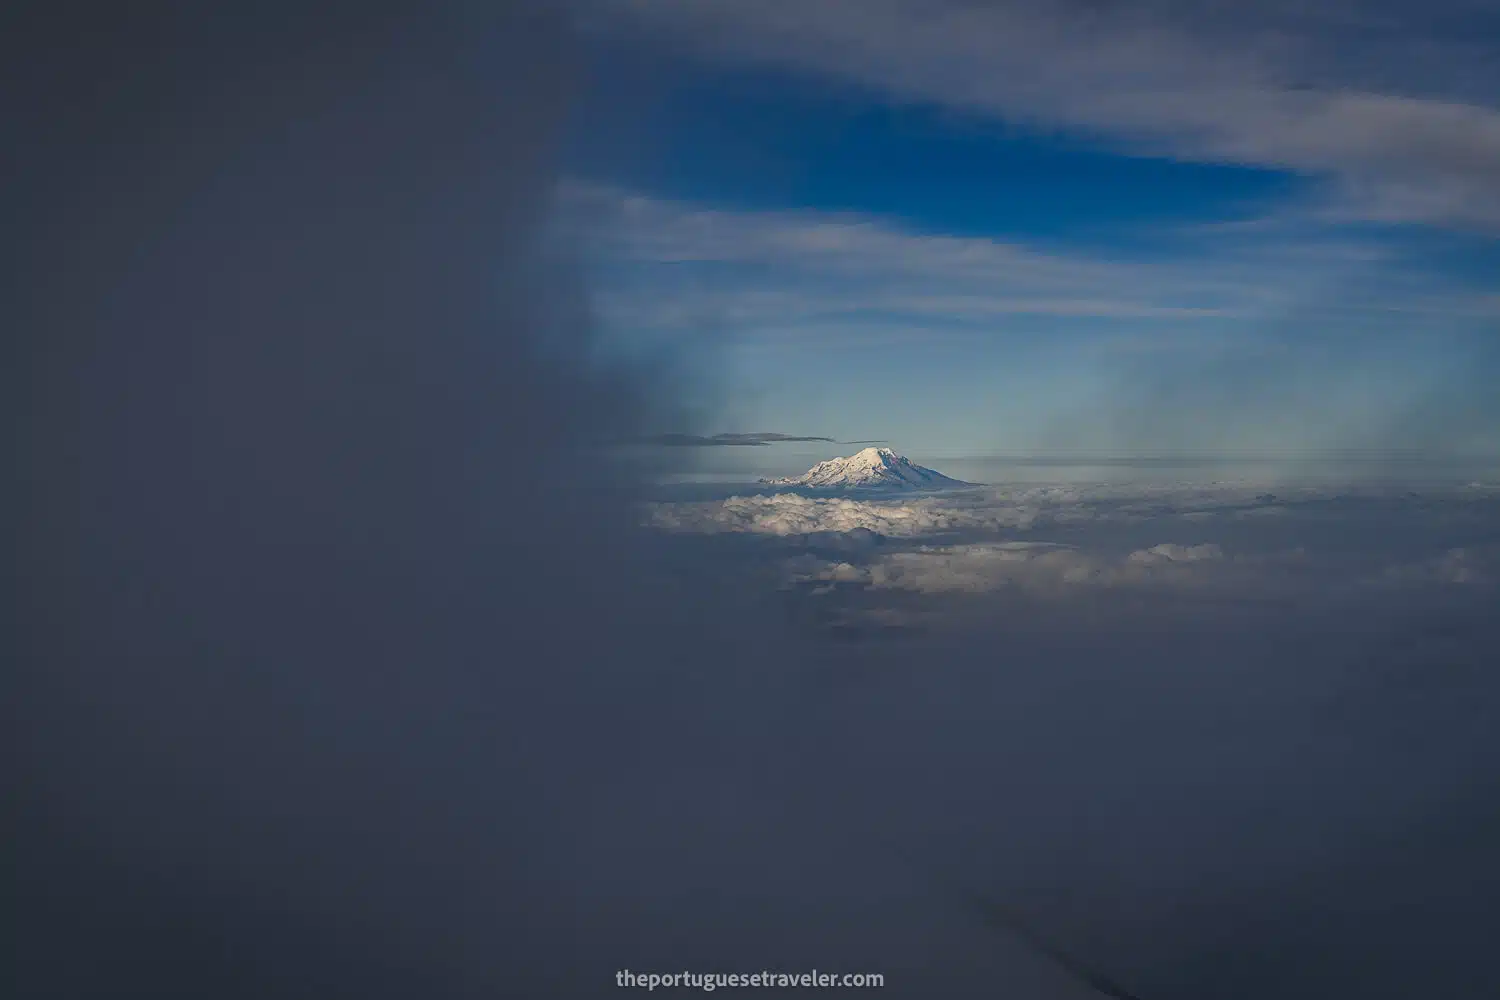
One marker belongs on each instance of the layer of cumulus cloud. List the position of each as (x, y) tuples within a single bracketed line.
[(1250, 543), (1027, 507)]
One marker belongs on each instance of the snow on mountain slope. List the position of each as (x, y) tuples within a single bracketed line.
[(873, 468)]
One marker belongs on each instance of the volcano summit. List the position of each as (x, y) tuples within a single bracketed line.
[(871, 469)]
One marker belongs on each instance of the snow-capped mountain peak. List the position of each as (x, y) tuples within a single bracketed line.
[(872, 468)]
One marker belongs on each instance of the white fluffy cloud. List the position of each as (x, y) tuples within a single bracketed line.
[(1037, 566), (793, 514), (1171, 553), (997, 509)]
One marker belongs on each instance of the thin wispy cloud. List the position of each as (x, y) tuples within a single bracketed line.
[(690, 266), (725, 440), (1397, 104)]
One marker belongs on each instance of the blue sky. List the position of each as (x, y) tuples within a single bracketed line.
[(1044, 227)]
